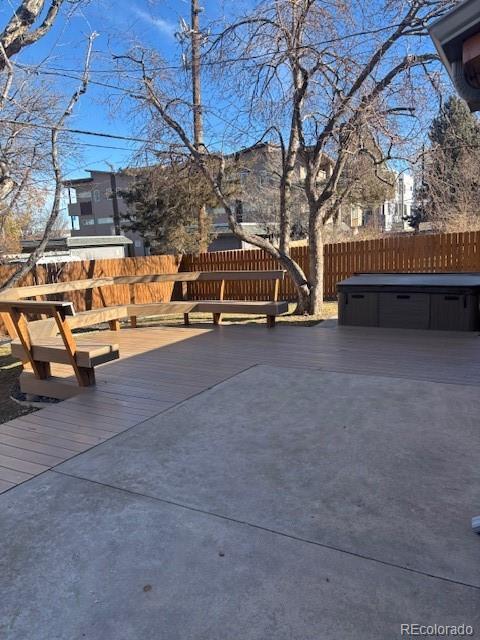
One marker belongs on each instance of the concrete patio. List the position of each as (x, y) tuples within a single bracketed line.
[(320, 487)]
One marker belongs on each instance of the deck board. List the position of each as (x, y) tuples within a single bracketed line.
[(162, 366)]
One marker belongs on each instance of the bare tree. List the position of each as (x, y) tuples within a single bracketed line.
[(25, 27), (343, 78), (333, 81), (55, 133), (32, 119)]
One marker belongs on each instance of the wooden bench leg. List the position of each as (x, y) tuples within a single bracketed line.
[(270, 321), (217, 318), (114, 325), (186, 319), (85, 376), (133, 322), (42, 370)]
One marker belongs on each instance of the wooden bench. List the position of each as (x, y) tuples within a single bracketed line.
[(47, 327), (82, 356), (40, 342)]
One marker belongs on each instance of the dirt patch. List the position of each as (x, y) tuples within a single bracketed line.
[(10, 369)]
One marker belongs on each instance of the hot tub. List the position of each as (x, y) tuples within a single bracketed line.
[(443, 301)]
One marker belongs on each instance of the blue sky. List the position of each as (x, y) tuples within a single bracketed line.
[(119, 24)]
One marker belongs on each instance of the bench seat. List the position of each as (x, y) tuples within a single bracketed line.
[(207, 306), (161, 308), (242, 306), (87, 355), (42, 330), (97, 316)]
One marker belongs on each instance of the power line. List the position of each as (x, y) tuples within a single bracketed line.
[(102, 146), (208, 63), (83, 132)]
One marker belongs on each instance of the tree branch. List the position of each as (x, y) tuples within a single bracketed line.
[(55, 210)]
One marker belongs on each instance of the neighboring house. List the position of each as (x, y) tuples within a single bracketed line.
[(68, 248), (389, 216), (255, 176), (96, 208)]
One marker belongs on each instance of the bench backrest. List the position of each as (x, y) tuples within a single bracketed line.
[(17, 310), (184, 277), (19, 293), (41, 307)]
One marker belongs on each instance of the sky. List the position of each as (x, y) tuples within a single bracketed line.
[(119, 24)]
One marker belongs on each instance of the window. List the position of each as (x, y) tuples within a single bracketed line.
[(355, 216), (243, 175), (105, 220), (96, 195), (263, 179), (84, 195), (86, 208), (87, 222)]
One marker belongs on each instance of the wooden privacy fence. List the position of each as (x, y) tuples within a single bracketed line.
[(408, 253), (241, 260)]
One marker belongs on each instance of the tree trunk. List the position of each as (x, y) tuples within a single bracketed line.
[(302, 286), (316, 264)]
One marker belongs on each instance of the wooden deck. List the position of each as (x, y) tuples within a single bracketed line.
[(160, 367)]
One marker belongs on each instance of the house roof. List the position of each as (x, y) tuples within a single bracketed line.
[(249, 227), (451, 30), (76, 242), (259, 146)]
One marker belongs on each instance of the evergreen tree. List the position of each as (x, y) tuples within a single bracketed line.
[(449, 196), (454, 129), (163, 203)]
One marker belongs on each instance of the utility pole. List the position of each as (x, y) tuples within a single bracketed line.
[(196, 40)]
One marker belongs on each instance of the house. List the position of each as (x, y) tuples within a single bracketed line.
[(96, 207), (456, 36), (256, 172), (391, 216)]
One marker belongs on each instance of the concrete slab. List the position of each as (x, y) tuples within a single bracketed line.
[(382, 467), (81, 560)]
